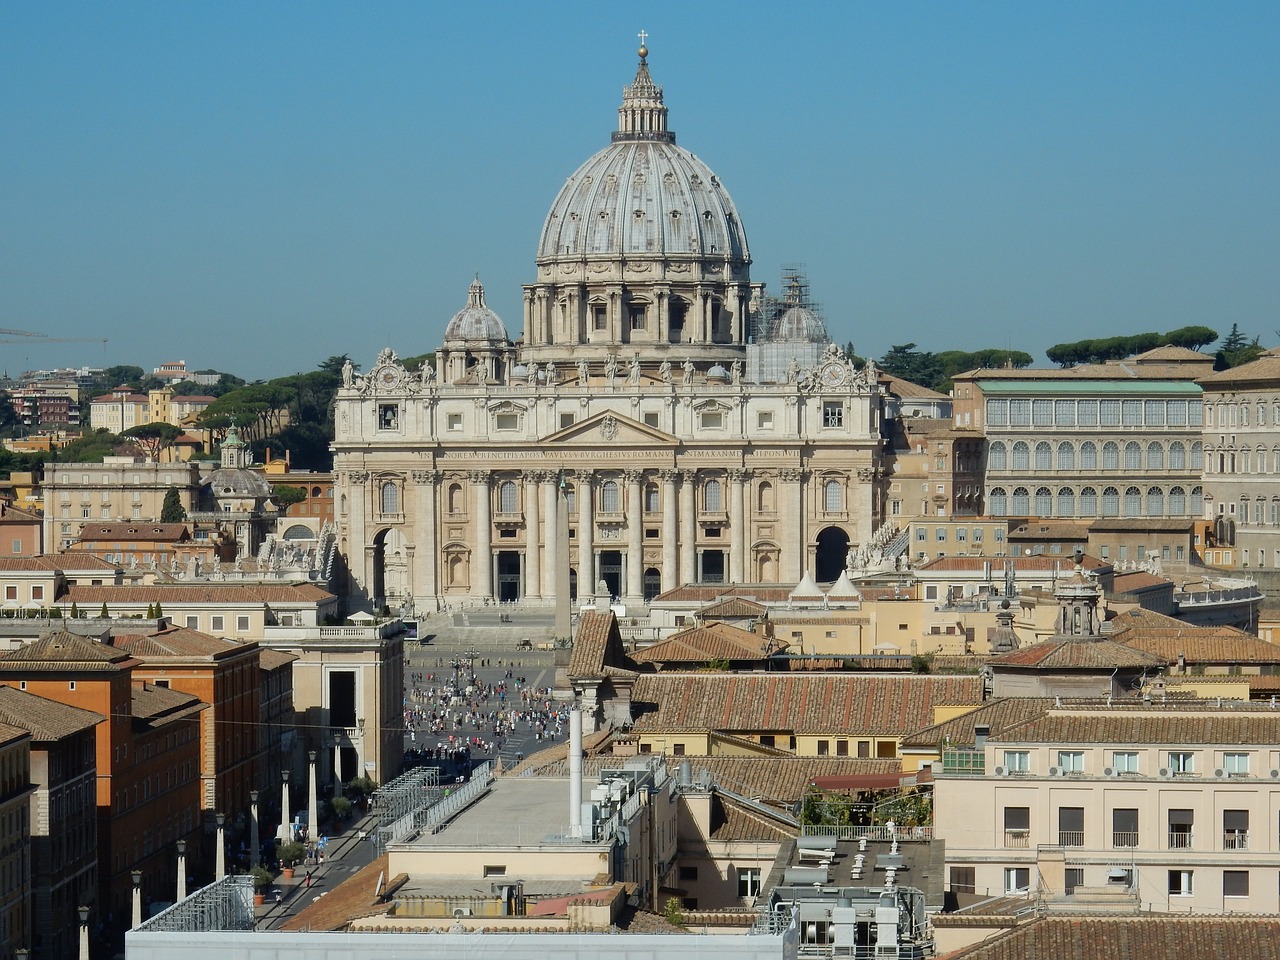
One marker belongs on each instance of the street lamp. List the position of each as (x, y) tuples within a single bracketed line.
[(253, 828), (313, 830), (84, 933), (182, 869), (220, 869), (137, 899), (284, 806)]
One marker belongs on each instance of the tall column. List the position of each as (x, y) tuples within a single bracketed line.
[(359, 551), (84, 933), (254, 846), (284, 834), (313, 829), (688, 528), (670, 531), (737, 523), (426, 584), (136, 876), (482, 558), (586, 537), (791, 538), (635, 536), (532, 537), (549, 482)]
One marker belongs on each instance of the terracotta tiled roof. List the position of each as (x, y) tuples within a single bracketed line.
[(731, 820), (597, 646), (179, 642), (71, 560), (998, 715), (1067, 654), (1035, 562), (154, 705), (907, 390), (1163, 937), (274, 659), (65, 651), (1124, 582), (1167, 638), (1266, 369), (349, 900), (800, 703), (47, 720), (716, 641), (733, 608), (134, 531), (1172, 354), (168, 593), (1149, 725), (766, 593), (14, 514)]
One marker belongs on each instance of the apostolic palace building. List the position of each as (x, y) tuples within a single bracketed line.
[(688, 428)]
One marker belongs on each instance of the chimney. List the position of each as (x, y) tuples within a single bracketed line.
[(980, 733), (575, 773)]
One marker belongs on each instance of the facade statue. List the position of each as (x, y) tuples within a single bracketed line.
[(687, 367), (611, 369), (582, 373), (664, 371), (735, 372), (633, 371), (793, 370), (348, 371)]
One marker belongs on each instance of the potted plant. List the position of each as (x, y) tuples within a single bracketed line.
[(341, 808), (290, 854), (262, 878)]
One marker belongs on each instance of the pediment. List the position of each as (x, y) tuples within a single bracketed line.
[(611, 429)]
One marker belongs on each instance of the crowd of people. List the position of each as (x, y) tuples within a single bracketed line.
[(451, 714)]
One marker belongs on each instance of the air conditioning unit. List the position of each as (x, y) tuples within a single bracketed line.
[(1000, 771), (462, 911), (1219, 774), (1164, 773), (1108, 771), (1275, 774), (1054, 771)]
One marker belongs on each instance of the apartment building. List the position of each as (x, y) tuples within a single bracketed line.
[(116, 490)]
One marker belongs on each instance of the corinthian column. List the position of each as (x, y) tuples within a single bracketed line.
[(532, 537), (551, 541), (670, 531), (482, 560), (688, 528), (586, 537), (737, 523), (791, 504), (635, 537), (425, 538)]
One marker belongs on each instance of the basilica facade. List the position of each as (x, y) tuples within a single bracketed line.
[(659, 422)]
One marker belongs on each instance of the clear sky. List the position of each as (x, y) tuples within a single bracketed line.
[(254, 186)]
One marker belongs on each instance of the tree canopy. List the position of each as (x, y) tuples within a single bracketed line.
[(935, 370), (172, 511), (1117, 348), (153, 438)]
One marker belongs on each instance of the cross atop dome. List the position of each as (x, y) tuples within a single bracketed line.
[(644, 51), (643, 115)]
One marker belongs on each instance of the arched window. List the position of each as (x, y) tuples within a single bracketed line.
[(1066, 502), (1044, 456), (1242, 462), (1110, 456), (1132, 456), (1244, 414), (609, 500), (1088, 455), (1066, 456), (1021, 456), (832, 496), (1021, 502), (1274, 519), (651, 499), (712, 496), (1044, 501), (1155, 456), (1177, 501), (1132, 502), (1197, 501), (764, 497), (998, 502), (570, 497), (1258, 507), (455, 498), (1110, 502), (1088, 502), (389, 497), (507, 499), (1177, 455), (998, 457), (1155, 502), (1197, 456)]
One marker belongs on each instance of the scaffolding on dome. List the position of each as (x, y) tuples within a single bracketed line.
[(785, 328), (225, 904)]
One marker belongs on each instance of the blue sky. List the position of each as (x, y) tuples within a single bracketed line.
[(256, 186)]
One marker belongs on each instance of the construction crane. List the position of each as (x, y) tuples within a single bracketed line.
[(27, 337)]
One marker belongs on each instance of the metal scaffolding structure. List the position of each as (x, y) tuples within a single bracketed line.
[(225, 904)]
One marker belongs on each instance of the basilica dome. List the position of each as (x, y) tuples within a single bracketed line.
[(476, 321), (642, 195), (799, 323)]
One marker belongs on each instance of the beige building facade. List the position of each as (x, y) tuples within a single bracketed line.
[(629, 410)]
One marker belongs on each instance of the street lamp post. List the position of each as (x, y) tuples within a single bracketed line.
[(220, 858), (84, 933), (253, 829), (312, 829), (137, 899), (284, 807), (182, 869)]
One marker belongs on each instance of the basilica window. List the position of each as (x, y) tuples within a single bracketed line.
[(600, 316), (389, 498), (713, 497), (506, 421), (636, 313), (764, 498), (454, 499), (508, 498), (651, 501), (712, 419), (610, 502), (833, 496), (454, 421), (388, 416), (833, 414)]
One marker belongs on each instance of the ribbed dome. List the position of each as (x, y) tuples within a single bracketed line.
[(229, 482), (476, 321), (799, 323), (643, 195)]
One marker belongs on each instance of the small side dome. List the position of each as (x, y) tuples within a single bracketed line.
[(717, 373), (520, 371), (799, 324), (476, 321)]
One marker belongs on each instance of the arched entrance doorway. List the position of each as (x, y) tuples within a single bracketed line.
[(390, 580), (833, 546)]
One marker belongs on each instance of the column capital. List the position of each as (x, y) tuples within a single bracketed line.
[(669, 476), (633, 476), (426, 477), (541, 476), (479, 477), (740, 475), (584, 475), (792, 475), (358, 476)]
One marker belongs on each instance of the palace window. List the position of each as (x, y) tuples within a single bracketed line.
[(713, 497), (390, 498)]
